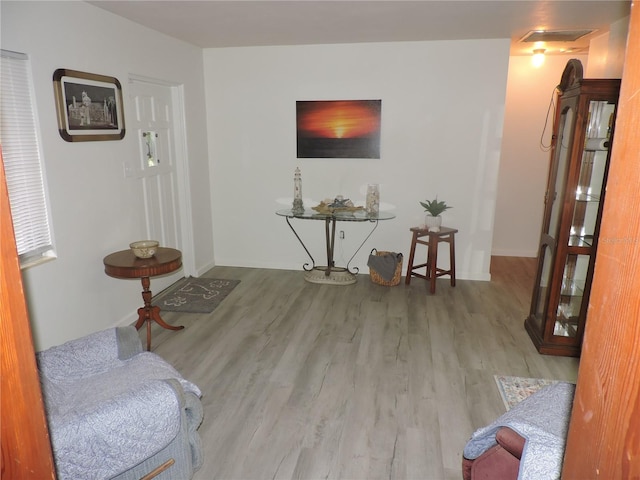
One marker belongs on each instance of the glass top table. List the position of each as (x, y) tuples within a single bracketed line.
[(330, 274)]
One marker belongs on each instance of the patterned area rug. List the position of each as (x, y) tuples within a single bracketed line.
[(515, 389), (194, 295)]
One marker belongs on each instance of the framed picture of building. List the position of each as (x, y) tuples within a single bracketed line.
[(338, 128), (89, 106)]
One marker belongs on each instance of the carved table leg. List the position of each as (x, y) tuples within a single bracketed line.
[(150, 313)]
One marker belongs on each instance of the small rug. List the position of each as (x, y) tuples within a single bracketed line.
[(515, 389), (195, 295)]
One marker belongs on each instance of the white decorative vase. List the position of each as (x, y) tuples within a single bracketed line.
[(433, 223)]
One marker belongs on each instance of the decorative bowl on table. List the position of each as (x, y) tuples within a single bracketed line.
[(144, 248)]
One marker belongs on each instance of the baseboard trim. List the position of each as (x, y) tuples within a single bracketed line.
[(515, 253), (204, 269), (484, 277)]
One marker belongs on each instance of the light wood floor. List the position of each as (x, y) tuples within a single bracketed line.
[(312, 381)]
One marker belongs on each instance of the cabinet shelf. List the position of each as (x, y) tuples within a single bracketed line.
[(566, 327), (586, 197), (572, 287), (585, 118), (580, 241)]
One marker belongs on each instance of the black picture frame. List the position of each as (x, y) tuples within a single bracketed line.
[(89, 106)]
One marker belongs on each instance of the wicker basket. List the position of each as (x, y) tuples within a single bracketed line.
[(375, 276)]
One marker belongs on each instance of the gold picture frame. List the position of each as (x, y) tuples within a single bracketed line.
[(89, 106)]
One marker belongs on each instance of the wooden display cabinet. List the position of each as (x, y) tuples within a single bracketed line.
[(581, 148)]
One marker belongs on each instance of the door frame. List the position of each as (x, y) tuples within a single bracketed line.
[(182, 166)]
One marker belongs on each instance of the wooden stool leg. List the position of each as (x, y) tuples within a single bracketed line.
[(432, 262), (412, 253), (452, 259)]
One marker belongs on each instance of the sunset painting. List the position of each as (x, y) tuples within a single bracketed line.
[(338, 128)]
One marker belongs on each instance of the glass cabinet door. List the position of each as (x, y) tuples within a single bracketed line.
[(588, 193), (563, 152), (539, 304), (571, 295), (555, 200), (593, 168)]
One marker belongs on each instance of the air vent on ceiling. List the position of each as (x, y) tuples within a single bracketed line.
[(555, 35)]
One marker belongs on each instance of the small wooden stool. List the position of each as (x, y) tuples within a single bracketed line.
[(434, 238)]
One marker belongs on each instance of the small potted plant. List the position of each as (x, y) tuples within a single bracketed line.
[(434, 209)]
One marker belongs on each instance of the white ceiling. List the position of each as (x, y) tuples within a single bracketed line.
[(210, 24)]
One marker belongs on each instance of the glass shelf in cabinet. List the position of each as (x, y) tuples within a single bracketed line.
[(567, 317), (566, 327), (580, 241), (587, 197), (573, 288)]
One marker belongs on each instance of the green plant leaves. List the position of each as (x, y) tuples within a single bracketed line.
[(434, 207)]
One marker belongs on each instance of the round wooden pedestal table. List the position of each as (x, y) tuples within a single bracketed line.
[(125, 264)]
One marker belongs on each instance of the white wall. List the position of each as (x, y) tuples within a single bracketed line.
[(606, 52), (94, 207), (524, 162), (442, 112)]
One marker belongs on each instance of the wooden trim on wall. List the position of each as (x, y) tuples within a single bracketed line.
[(604, 436), (26, 449)]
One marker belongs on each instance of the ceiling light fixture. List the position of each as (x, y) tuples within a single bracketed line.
[(555, 35), (538, 57)]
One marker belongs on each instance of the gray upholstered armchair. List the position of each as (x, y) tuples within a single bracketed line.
[(118, 412)]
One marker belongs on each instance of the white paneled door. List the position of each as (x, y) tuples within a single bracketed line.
[(156, 168)]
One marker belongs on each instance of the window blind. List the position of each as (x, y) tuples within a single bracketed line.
[(23, 165)]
